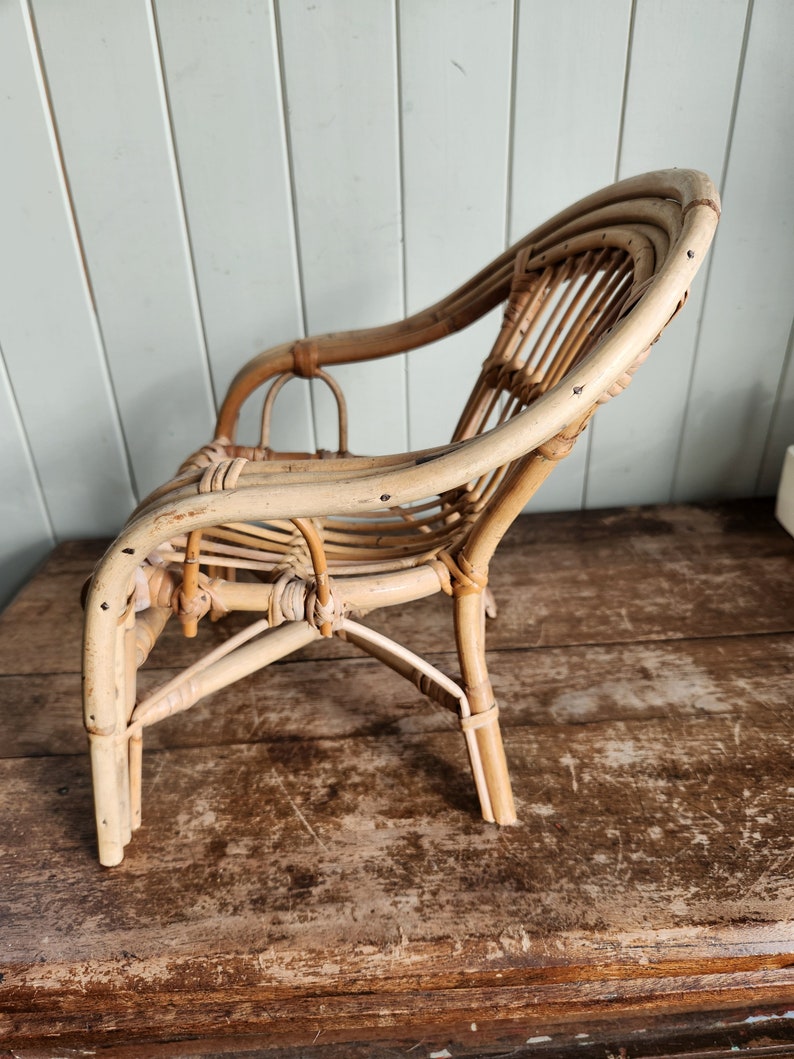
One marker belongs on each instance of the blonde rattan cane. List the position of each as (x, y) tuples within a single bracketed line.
[(303, 542)]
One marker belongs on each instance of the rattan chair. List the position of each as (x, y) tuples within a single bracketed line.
[(305, 542)]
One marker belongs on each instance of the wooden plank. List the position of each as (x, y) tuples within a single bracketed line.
[(633, 793), (321, 867), (694, 50), (222, 63), (739, 359), (25, 530), (103, 71), (319, 851), (455, 78), (565, 141), (731, 676), (52, 350), (340, 74), (666, 1037)]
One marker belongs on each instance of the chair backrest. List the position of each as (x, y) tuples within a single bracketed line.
[(553, 318), (586, 295), (573, 282)]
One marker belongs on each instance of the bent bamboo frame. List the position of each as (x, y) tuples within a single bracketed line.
[(328, 535)]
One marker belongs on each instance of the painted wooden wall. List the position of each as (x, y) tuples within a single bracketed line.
[(184, 182)]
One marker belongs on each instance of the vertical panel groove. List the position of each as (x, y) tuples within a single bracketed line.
[(511, 128), (282, 82), (173, 155), (40, 72), (400, 148), (401, 179), (290, 162), (340, 86), (738, 89), (19, 422), (626, 76), (710, 262), (457, 65), (52, 127), (511, 137)]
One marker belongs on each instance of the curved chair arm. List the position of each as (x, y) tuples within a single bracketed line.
[(693, 190), (282, 490), (306, 357)]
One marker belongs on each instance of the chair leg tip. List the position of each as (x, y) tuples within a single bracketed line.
[(505, 815), (110, 860)]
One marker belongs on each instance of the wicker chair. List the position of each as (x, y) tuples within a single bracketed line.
[(305, 541)]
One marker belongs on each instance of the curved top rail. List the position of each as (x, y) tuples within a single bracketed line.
[(639, 199)]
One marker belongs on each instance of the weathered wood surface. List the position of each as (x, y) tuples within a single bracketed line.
[(312, 865)]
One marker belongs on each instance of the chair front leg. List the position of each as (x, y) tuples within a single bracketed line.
[(109, 698), (484, 720)]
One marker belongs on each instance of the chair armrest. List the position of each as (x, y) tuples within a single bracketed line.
[(266, 491), (305, 357), (694, 191)]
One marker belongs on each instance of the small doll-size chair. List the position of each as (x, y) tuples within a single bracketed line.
[(306, 542)]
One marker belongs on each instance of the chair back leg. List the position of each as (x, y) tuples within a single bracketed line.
[(484, 721)]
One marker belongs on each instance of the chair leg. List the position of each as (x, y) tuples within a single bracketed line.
[(109, 698), (470, 638), (110, 778)]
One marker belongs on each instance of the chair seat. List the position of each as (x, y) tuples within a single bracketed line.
[(272, 565), (367, 545), (424, 536)]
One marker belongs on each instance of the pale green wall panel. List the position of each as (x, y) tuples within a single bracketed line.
[(52, 347), (679, 103), (781, 429), (25, 531), (102, 64), (570, 71), (456, 79), (224, 90), (748, 310), (340, 70)]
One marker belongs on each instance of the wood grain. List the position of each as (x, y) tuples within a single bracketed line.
[(697, 557), (312, 879)]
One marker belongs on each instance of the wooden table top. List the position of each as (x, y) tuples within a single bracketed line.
[(312, 877)]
